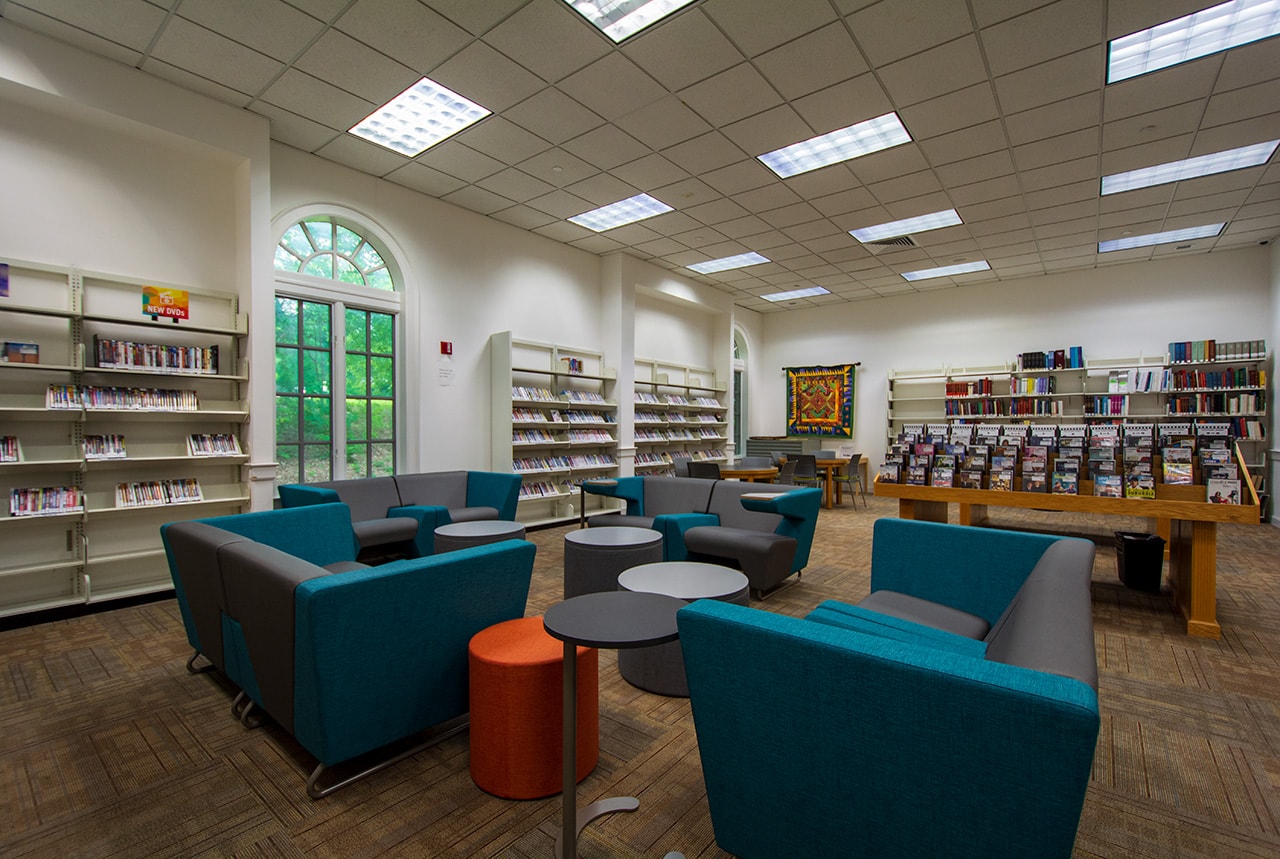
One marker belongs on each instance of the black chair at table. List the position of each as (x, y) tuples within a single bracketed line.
[(806, 473), (705, 470), (852, 475), (786, 473)]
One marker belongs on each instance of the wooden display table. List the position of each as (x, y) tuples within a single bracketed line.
[(1188, 522)]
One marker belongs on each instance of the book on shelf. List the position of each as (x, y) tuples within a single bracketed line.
[(1139, 485), (45, 500), (1108, 486), (917, 475), (20, 352), (10, 449), (970, 478), (109, 353), (217, 444), (1000, 480), (944, 477), (1177, 473), (155, 493), (888, 472), (104, 447), (1035, 481), (1064, 483), (1219, 491)]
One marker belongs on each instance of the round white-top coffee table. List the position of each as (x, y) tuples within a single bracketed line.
[(660, 669), (594, 557), (464, 535)]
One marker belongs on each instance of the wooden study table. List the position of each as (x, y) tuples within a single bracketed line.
[(831, 488), (749, 475), (1180, 511)]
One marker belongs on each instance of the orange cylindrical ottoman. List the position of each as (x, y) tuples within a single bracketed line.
[(517, 684)]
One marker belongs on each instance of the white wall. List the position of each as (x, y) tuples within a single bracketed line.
[(1115, 311)]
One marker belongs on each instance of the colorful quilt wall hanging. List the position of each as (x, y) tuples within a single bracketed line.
[(820, 400)]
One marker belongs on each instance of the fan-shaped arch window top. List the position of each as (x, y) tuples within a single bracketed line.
[(326, 248)]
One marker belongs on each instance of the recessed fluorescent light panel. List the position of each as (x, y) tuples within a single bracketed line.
[(907, 226), (619, 19), (626, 211), (1190, 168), (807, 292), (1227, 25), (419, 118), (836, 146), (1165, 238), (726, 263), (947, 270)]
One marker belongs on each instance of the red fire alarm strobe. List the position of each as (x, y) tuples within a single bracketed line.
[(446, 347)]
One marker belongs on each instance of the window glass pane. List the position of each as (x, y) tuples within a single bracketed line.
[(379, 279), (315, 324), (287, 456), (357, 460), (382, 333), (384, 460), (382, 414), (296, 240), (286, 320), (318, 462), (381, 377), (368, 258), (286, 370), (321, 266), (315, 419), (357, 322), (348, 241), (315, 372), (286, 419), (347, 273), (357, 367), (357, 420), (321, 233), (286, 261)]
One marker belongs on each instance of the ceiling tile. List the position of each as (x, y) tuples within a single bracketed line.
[(486, 77), (270, 27), (131, 23), (1235, 134), (523, 217), (966, 143), (1153, 214), (458, 160), (563, 231), (844, 104), (906, 187), (813, 62), (1073, 193), (1249, 64), (767, 131), (1228, 200), (743, 176), (759, 25), (634, 234), (663, 123), (1043, 34), (602, 189), (557, 167), (827, 180), (1168, 87), (1051, 82), (989, 166), (502, 139), (477, 199), (426, 179), (1061, 117), (716, 211), (606, 147), (1006, 225), (672, 223), (562, 205), (553, 116), (515, 185), (475, 17), (1064, 147), (959, 109), (1059, 174), (981, 192), (1146, 154), (1133, 15), (976, 212), (810, 230), (549, 39), (685, 193), (731, 95), (360, 154), (660, 247), (751, 225), (404, 30), (296, 131), (916, 79), (1159, 195), (308, 96), (613, 86), (347, 64), (769, 197), (796, 213), (683, 51), (597, 244), (1182, 119), (704, 153), (852, 200), (891, 31), (1066, 212), (196, 83), (651, 171), (193, 48), (1243, 103)]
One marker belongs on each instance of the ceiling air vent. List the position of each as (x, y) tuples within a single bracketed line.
[(878, 248)]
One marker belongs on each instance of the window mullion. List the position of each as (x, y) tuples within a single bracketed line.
[(338, 362)]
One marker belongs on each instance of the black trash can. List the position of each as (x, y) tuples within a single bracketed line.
[(1139, 559)]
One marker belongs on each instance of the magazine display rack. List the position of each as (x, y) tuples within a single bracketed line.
[(109, 397), (555, 423)]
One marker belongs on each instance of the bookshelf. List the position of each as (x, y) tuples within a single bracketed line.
[(84, 430), (679, 412), (555, 423)]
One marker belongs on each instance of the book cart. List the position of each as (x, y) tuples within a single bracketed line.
[(122, 422)]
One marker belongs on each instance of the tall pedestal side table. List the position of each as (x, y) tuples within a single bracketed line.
[(616, 619)]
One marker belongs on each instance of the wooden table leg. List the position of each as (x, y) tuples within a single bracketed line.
[(826, 492), (973, 514), (924, 511), (1193, 575)]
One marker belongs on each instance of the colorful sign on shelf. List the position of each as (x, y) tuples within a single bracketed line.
[(169, 303)]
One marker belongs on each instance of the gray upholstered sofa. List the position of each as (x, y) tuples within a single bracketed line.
[(765, 530), (346, 658), (405, 510)]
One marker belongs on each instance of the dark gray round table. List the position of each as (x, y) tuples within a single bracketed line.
[(594, 557), (614, 619), (660, 669), (464, 535)]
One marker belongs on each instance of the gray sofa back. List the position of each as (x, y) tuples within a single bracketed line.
[(368, 497), (437, 489), (726, 502), (676, 495), (193, 549)]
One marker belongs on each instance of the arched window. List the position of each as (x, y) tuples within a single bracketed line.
[(336, 349)]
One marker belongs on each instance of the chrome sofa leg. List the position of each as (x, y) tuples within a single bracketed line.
[(315, 791)]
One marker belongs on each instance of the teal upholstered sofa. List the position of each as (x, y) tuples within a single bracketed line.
[(346, 658), (718, 521), (406, 509), (857, 732)]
